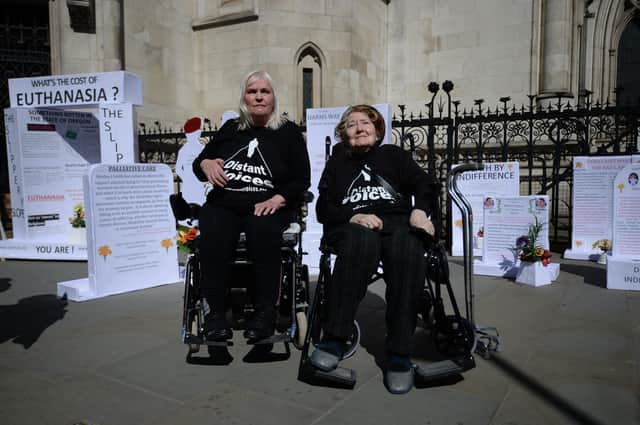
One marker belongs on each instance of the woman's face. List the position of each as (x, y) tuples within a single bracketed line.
[(361, 131), (259, 100)]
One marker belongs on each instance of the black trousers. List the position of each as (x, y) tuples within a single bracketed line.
[(358, 253), (220, 228)]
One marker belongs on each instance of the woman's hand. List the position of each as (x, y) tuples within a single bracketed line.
[(214, 170), (370, 221), (269, 206), (419, 219)]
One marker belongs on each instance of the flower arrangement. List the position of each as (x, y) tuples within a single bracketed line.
[(603, 245), (186, 239), (77, 219), (528, 248)]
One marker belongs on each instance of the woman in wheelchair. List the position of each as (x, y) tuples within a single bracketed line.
[(365, 205), (258, 165)]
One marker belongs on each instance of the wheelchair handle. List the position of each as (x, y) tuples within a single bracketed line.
[(467, 230)]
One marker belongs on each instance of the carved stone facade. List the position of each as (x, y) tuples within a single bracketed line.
[(192, 54)]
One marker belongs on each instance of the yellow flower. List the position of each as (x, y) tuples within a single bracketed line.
[(104, 251), (166, 244), (539, 251), (620, 186)]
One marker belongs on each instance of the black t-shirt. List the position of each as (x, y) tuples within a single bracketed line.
[(259, 163), (381, 181)]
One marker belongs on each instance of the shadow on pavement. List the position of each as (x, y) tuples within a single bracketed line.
[(5, 284), (373, 340), (560, 404), (25, 321), (217, 356), (592, 275)]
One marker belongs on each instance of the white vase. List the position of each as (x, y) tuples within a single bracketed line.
[(78, 236), (533, 274), (603, 258)]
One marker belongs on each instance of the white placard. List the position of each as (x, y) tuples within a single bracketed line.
[(321, 123), (14, 157), (49, 152), (623, 273), (626, 213), (76, 89), (50, 149), (592, 202), (506, 219), (497, 179), (131, 235), (118, 138)]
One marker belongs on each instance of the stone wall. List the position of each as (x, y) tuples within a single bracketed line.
[(192, 54)]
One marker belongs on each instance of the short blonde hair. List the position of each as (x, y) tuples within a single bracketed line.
[(245, 119), (376, 118)]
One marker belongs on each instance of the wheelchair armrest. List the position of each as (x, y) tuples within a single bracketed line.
[(182, 210), (428, 240), (307, 197)]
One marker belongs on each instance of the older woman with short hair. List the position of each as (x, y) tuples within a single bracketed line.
[(259, 166), (365, 204)]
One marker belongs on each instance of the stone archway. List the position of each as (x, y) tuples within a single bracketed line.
[(628, 67), (610, 19)]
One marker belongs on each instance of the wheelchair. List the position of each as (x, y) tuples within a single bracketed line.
[(293, 294), (452, 334), (455, 336)]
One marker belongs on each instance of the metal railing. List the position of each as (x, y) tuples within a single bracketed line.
[(542, 136)]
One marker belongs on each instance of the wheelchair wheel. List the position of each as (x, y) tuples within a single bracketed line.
[(426, 310), (454, 336), (353, 342), (302, 307), (302, 326)]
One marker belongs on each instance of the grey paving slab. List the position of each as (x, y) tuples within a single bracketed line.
[(118, 360)]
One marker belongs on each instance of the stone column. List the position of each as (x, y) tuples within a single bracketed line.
[(112, 24), (556, 67)]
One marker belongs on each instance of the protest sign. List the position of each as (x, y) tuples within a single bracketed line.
[(131, 231), (506, 219), (497, 179), (592, 201)]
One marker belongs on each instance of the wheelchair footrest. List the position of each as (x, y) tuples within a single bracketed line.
[(340, 376), (200, 341), (274, 339), (442, 369)]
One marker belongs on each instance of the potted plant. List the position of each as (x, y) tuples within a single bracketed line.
[(186, 240), (603, 245), (533, 257), (78, 233)]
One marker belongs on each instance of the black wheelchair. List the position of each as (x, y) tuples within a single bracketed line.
[(293, 295), (454, 336)]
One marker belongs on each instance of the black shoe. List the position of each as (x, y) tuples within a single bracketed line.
[(398, 378), (216, 328), (327, 355), (261, 325)]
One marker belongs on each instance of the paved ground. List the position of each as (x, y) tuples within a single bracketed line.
[(570, 354)]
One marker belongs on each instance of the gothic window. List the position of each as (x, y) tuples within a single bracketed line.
[(309, 79), (629, 63), (307, 89)]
